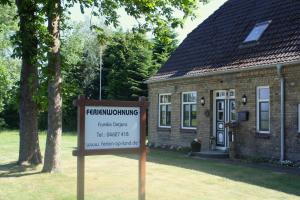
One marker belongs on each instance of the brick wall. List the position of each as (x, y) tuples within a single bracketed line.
[(249, 143)]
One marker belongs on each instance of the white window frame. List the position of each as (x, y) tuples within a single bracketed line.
[(184, 103), (159, 104), (258, 100)]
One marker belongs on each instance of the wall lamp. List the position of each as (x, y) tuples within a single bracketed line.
[(202, 101), (244, 99)]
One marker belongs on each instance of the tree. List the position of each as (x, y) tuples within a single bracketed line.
[(155, 14), (27, 41), (52, 152), (128, 57), (163, 46), (80, 68)]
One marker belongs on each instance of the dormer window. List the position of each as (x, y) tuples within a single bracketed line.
[(257, 31)]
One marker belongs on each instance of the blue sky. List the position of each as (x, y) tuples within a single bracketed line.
[(127, 22)]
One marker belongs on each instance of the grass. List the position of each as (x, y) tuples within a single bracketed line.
[(170, 176)]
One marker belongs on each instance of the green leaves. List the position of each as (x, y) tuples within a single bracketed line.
[(129, 57), (9, 67), (152, 15)]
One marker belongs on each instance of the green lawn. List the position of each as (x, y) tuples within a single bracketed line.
[(170, 176)]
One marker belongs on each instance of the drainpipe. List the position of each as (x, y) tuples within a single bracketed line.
[(282, 134)]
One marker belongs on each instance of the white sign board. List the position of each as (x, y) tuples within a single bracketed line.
[(109, 127)]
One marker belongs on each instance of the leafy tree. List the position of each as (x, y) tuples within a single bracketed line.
[(80, 69), (52, 152), (164, 45), (129, 58), (27, 49), (154, 15), (9, 68)]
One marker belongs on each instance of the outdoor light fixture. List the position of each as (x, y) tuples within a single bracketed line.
[(202, 101), (244, 99)]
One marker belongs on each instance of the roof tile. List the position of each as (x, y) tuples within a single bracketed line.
[(217, 43)]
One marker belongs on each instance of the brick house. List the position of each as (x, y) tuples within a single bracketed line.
[(240, 65)]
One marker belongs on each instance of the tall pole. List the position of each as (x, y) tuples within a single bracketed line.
[(143, 152), (100, 74)]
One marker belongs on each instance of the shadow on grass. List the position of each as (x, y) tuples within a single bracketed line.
[(13, 170), (286, 183)]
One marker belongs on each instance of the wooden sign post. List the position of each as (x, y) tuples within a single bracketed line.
[(110, 127)]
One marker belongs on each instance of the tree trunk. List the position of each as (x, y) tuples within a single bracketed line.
[(29, 149), (52, 153)]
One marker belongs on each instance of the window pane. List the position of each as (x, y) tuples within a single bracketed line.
[(168, 98), (163, 115), (264, 115), (168, 115), (232, 105), (186, 115), (185, 97), (163, 108), (232, 111), (165, 99), (264, 106), (192, 97), (264, 125), (193, 107), (264, 93), (257, 31), (233, 116), (193, 115)]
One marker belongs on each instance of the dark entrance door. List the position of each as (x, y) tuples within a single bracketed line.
[(225, 112)]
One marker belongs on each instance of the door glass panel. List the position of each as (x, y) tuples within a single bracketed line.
[(231, 93), (220, 138), (220, 125), (233, 116), (220, 105), (220, 110), (220, 116)]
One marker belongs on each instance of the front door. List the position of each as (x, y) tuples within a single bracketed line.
[(225, 111)]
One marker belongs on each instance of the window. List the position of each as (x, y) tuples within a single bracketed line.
[(189, 110), (165, 110), (257, 31), (263, 109)]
